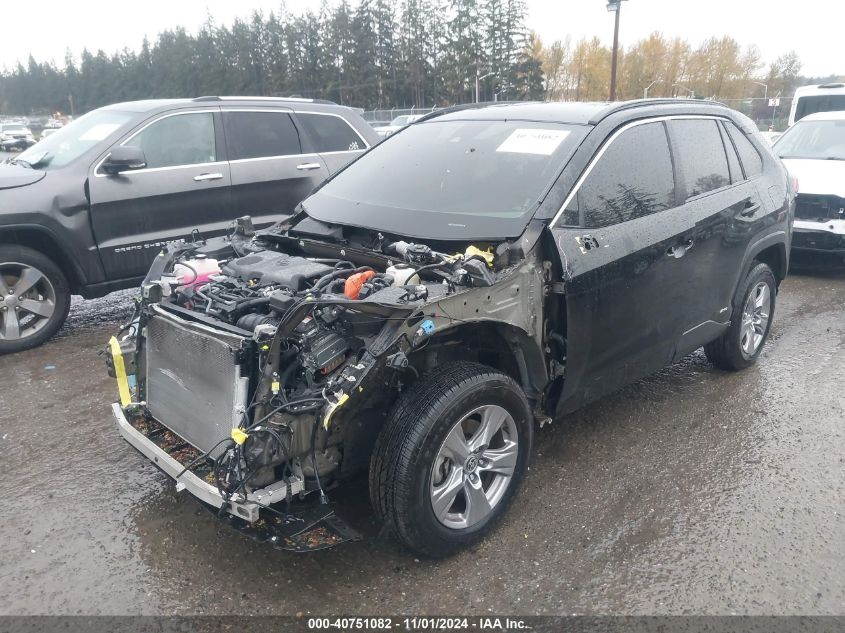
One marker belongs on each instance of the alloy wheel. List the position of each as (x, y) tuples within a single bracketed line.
[(474, 467), (27, 301), (755, 318)]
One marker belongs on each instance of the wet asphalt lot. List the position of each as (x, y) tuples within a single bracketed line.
[(694, 491)]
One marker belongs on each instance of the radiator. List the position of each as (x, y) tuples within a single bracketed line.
[(195, 385)]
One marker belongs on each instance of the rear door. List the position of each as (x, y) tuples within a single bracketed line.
[(722, 205), (331, 136), (271, 173), (624, 290), (184, 186)]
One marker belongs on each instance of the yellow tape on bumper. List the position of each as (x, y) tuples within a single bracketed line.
[(120, 372)]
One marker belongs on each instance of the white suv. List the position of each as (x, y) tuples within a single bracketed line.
[(813, 151)]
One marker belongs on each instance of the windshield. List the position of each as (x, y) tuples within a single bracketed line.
[(14, 128), (476, 178), (819, 103), (73, 140), (401, 120), (813, 139)]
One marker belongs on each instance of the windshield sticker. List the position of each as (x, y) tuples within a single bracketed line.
[(533, 141), (99, 132)]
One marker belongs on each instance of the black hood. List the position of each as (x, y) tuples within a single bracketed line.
[(18, 176)]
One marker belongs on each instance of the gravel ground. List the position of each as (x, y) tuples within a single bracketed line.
[(693, 491)]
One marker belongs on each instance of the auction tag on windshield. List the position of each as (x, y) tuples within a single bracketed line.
[(533, 141), (99, 132)]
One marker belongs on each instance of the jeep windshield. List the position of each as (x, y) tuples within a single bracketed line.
[(450, 179), (820, 140), (73, 140)]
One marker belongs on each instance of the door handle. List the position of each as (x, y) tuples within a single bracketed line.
[(750, 209), (679, 250), (203, 177), (308, 166)]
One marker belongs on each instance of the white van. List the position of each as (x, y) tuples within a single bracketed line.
[(820, 98)]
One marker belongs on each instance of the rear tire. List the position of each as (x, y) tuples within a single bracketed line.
[(753, 311), (451, 457), (34, 298)]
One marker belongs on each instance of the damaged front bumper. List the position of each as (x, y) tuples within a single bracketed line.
[(826, 236), (245, 507), (307, 529)]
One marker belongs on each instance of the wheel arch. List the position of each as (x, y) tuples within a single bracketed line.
[(45, 242), (771, 250), (499, 345)]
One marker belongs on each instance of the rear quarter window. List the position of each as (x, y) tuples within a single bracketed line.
[(748, 154), (330, 133)]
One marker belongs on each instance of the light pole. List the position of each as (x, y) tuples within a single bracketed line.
[(766, 93), (691, 92), (645, 92), (477, 79), (614, 6)]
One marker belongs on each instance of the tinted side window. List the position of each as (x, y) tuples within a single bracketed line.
[(330, 133), (624, 185), (748, 154), (260, 134), (702, 154), (733, 159), (183, 139)]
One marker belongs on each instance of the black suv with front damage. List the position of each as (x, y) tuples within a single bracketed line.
[(483, 270)]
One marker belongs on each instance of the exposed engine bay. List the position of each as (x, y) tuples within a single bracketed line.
[(268, 358)]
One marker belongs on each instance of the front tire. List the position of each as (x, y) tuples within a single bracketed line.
[(753, 311), (34, 298), (451, 457)]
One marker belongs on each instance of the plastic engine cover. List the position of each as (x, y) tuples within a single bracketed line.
[(272, 268)]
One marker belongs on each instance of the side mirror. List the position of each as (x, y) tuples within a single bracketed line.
[(124, 158)]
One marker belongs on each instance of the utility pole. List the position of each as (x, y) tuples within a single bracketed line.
[(614, 6), (477, 79)]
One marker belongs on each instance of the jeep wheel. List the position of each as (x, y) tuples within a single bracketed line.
[(34, 298), (450, 457), (753, 309)]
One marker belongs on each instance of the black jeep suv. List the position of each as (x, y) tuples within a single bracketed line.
[(86, 209), (481, 270)]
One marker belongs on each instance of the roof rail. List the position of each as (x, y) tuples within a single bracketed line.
[(619, 106), (251, 98)]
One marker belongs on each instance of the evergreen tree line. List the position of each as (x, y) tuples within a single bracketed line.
[(370, 54)]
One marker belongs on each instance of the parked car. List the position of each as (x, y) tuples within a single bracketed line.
[(821, 98), (771, 137), (48, 131), (15, 137), (813, 151), (86, 209), (526, 262), (397, 124)]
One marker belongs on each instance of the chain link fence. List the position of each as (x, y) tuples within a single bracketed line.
[(767, 113), (385, 116)]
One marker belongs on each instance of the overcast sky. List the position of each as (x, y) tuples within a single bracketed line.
[(814, 28)]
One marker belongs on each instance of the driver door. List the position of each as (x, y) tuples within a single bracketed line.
[(185, 185), (622, 237)]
